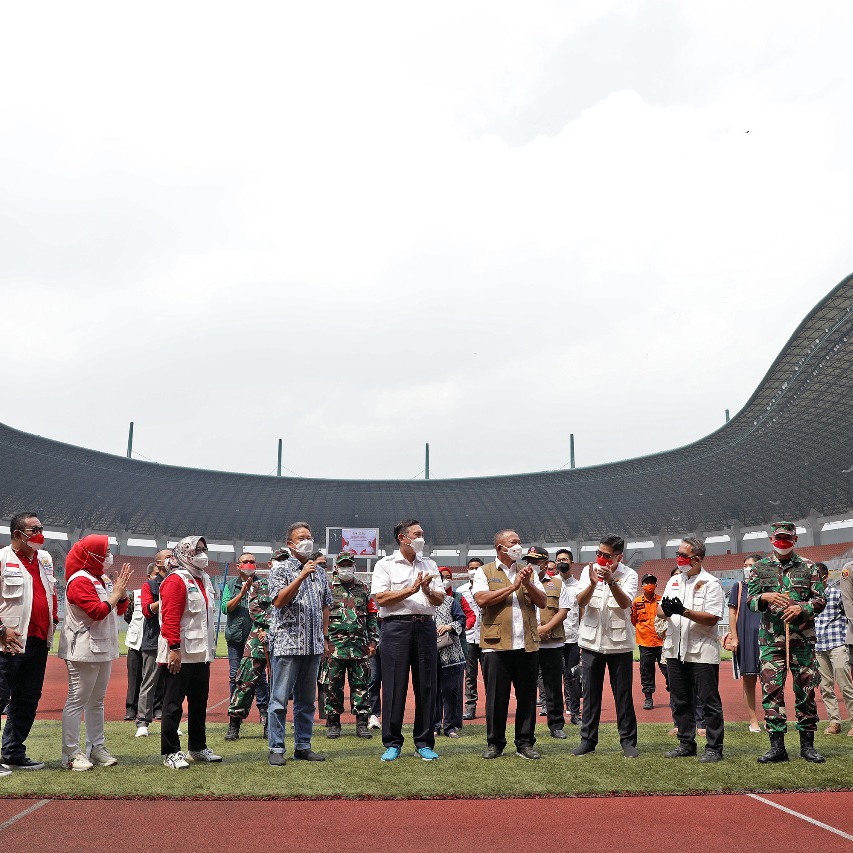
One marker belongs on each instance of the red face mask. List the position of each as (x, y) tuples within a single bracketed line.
[(603, 562), (682, 561), (36, 540), (649, 588), (782, 545), (551, 573)]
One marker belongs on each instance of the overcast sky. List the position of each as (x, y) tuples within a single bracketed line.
[(359, 227)]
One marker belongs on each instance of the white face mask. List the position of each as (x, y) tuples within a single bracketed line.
[(108, 562), (346, 575), (448, 585), (471, 573), (514, 552), (199, 560), (417, 545), (304, 548), (746, 573)]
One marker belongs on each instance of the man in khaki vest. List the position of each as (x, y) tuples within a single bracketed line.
[(508, 594)]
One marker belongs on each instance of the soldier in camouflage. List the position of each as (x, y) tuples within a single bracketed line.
[(353, 634), (255, 659), (789, 591)]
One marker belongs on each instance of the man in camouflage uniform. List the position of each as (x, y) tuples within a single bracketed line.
[(353, 633), (254, 661), (789, 591)]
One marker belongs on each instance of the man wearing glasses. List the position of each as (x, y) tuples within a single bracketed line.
[(235, 605), (787, 589), (28, 618), (607, 590)]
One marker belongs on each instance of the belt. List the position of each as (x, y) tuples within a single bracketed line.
[(406, 617)]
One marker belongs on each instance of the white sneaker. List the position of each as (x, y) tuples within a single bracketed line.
[(373, 722), (78, 761), (100, 755), (180, 733), (141, 731), (176, 761), (5, 772), (206, 755)]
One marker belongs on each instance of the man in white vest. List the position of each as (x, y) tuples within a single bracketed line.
[(28, 618), (187, 637), (606, 591)]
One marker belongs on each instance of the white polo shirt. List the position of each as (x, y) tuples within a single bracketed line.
[(481, 584), (606, 626), (472, 635), (394, 573), (570, 626), (685, 639)]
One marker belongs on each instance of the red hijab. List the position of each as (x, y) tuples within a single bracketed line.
[(81, 555)]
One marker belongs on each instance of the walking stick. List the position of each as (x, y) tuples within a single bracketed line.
[(787, 646)]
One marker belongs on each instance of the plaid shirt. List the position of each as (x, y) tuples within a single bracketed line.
[(831, 626)]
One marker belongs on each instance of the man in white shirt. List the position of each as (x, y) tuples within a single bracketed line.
[(407, 588), (508, 594), (571, 650), (606, 638), (472, 639), (693, 601)]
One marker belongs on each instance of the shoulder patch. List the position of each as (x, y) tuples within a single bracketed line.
[(845, 573), (699, 585)]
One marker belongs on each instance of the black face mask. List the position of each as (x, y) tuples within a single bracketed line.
[(563, 566)]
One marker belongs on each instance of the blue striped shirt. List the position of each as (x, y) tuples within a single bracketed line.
[(297, 628)]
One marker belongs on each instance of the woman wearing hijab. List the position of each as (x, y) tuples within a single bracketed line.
[(187, 622), (88, 644)]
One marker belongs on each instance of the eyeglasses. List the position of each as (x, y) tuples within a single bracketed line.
[(683, 556), (605, 555), (33, 530), (248, 561)]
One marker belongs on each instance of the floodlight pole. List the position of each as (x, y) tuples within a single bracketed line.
[(426, 463), (572, 449), (727, 415), (279, 458), (130, 441)]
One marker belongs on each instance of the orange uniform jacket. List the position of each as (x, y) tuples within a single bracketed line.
[(643, 613)]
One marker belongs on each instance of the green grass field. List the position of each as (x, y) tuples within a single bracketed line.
[(353, 768)]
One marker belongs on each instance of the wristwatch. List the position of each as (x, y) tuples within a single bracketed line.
[(3, 629)]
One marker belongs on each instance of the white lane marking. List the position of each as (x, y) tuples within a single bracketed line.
[(212, 707), (802, 816), (24, 813)]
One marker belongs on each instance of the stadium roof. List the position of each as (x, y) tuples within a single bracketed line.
[(788, 453)]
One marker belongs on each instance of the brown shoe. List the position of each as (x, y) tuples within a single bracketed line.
[(850, 733), (833, 729)]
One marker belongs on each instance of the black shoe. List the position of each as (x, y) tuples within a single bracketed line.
[(575, 719), (709, 756), (130, 715), (361, 729), (333, 726), (277, 759), (158, 717), (307, 755), (493, 752), (777, 751), (24, 763), (583, 748), (526, 751), (807, 749), (630, 751), (648, 705), (681, 751), (468, 715), (559, 734), (233, 732)]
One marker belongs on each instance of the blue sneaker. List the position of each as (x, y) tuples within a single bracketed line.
[(391, 753), (426, 753)]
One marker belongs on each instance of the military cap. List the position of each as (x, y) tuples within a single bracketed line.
[(784, 527), (534, 552), (345, 557), (281, 554)]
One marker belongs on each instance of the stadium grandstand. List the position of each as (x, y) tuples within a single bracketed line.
[(725, 487)]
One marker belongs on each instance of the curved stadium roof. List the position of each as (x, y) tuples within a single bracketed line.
[(801, 413)]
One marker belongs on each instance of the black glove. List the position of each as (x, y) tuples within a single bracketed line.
[(676, 607)]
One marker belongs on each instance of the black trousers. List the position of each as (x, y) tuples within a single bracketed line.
[(134, 681), (620, 665), (473, 658), (193, 684), (551, 670), (703, 679), (448, 699), (408, 645), (571, 684), (649, 656), (21, 680), (501, 671)]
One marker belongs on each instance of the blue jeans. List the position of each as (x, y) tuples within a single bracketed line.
[(296, 673)]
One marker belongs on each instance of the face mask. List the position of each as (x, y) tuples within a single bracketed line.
[(563, 567), (603, 562), (782, 547), (746, 573), (514, 552), (684, 562), (199, 561), (304, 548), (448, 585), (36, 541), (346, 575), (417, 545), (551, 573), (471, 573), (108, 562), (649, 588)]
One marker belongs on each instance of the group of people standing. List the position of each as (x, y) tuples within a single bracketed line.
[(526, 622)]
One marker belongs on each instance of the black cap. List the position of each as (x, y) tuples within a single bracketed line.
[(652, 578), (534, 552)]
